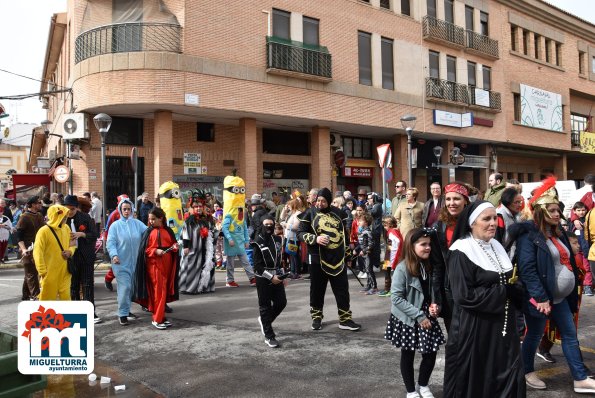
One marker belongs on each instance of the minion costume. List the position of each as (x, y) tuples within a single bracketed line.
[(234, 227), (171, 203), (51, 266), (123, 241)]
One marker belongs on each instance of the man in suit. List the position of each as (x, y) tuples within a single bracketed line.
[(432, 206)]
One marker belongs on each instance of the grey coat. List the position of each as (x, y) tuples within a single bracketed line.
[(407, 296)]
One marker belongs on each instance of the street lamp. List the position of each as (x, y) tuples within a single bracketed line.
[(103, 122), (408, 123)]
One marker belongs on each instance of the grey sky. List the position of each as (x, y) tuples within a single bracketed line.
[(24, 30)]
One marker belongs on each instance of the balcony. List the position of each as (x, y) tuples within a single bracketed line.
[(575, 139), (443, 32), (296, 59), (128, 37), (438, 90), (481, 45)]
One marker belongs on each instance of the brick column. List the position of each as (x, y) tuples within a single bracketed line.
[(250, 156), (163, 147), (321, 161), (561, 167)]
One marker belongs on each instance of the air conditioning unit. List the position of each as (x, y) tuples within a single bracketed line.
[(336, 141), (75, 126)]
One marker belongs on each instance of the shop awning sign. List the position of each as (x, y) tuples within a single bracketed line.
[(358, 172), (587, 141), (451, 119)]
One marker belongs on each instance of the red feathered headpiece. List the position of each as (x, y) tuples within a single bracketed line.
[(545, 194)]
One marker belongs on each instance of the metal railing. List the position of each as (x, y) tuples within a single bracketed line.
[(128, 37), (438, 29), (455, 92), (296, 57), (482, 44), (575, 139)]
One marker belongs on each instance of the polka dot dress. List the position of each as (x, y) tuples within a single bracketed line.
[(414, 337)]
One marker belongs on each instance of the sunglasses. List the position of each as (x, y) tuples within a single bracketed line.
[(398, 186)]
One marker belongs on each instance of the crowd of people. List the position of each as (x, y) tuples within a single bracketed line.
[(505, 274)]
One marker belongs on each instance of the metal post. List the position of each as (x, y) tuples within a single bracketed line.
[(103, 181), (70, 181), (384, 190), (409, 160), (136, 182)]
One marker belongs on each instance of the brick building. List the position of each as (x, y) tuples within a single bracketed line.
[(275, 88)]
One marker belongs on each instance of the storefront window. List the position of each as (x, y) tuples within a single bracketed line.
[(359, 148)]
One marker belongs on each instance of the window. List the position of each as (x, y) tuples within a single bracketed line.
[(517, 106), (471, 73), (487, 78), (275, 141), (548, 55), (126, 37), (205, 132), (581, 62), (431, 4), (364, 41), (449, 13), (385, 4), (469, 18), (120, 177), (311, 29), (451, 68), (357, 147), (536, 40), (388, 78), (125, 131), (578, 123), (593, 65), (513, 38), (483, 23), (558, 54), (525, 42), (281, 24), (435, 64), (405, 7)]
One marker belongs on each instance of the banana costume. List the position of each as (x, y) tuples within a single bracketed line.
[(171, 203), (234, 226), (53, 272)]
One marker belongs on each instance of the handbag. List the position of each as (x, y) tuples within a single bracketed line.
[(291, 247), (70, 266)]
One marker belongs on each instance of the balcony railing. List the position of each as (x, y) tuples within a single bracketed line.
[(442, 31), (482, 44), (295, 58), (447, 91), (128, 37), (575, 139)]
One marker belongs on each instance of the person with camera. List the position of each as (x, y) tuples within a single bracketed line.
[(270, 277)]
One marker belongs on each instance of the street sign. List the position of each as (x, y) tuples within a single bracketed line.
[(339, 159), (134, 158), (384, 154), (388, 175), (61, 174)]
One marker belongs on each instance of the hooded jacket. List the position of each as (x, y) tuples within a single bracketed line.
[(125, 238), (46, 250)]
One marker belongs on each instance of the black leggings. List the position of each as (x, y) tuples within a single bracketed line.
[(425, 368)]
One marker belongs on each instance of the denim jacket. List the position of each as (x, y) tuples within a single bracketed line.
[(407, 296)]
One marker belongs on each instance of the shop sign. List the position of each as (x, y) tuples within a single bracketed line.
[(587, 142), (451, 119), (61, 174), (362, 172), (192, 163), (541, 109)]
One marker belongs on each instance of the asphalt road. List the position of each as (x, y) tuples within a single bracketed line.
[(215, 348)]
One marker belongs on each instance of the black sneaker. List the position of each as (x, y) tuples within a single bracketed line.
[(316, 324), (133, 316), (168, 309), (160, 326), (349, 325), (124, 320), (109, 286), (546, 356), (145, 309), (272, 342)]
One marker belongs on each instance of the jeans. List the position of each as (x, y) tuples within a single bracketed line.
[(245, 263), (562, 316)]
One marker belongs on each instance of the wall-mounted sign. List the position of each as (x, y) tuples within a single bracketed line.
[(191, 99), (587, 142), (482, 97), (451, 119), (61, 174), (192, 163), (358, 172), (541, 109)]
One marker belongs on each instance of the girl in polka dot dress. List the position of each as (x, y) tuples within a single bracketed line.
[(412, 325)]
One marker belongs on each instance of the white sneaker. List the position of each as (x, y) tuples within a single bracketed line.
[(535, 382), (425, 392), (362, 275), (586, 386), (413, 395)]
